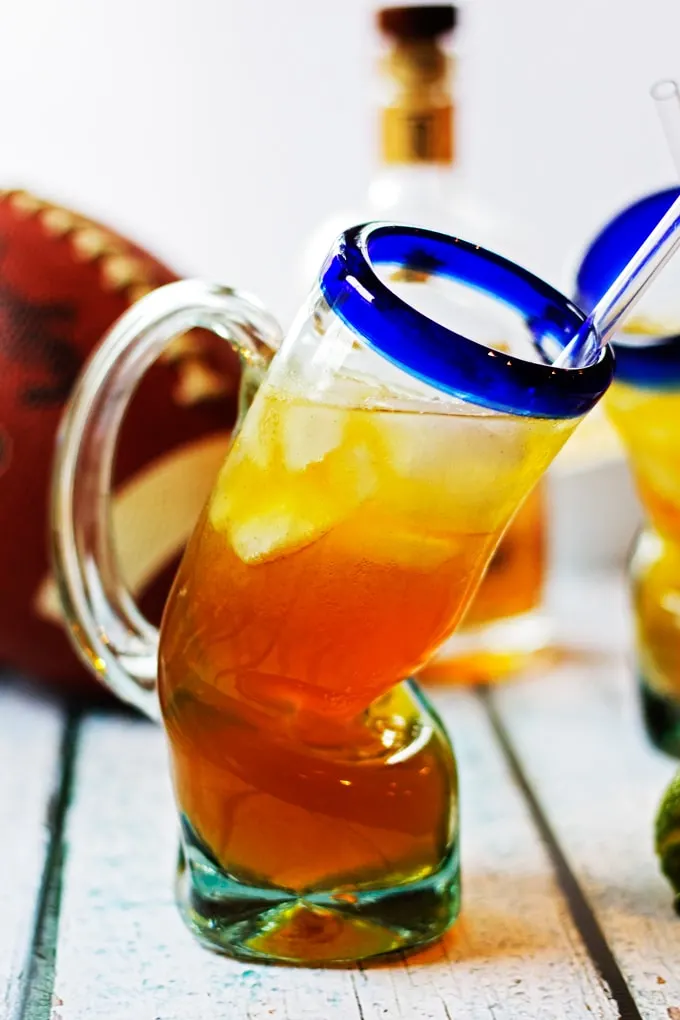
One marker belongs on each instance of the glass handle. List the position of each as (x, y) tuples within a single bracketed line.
[(106, 627)]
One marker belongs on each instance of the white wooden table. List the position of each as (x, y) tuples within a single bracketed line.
[(565, 914)]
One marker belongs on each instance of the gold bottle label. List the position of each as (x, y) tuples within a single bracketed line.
[(417, 135)]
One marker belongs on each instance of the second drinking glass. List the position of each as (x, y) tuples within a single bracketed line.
[(644, 406)]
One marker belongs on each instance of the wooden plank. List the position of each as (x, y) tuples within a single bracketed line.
[(30, 733), (578, 736), (123, 951), (515, 952)]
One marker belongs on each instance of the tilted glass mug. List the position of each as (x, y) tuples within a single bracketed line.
[(369, 481)]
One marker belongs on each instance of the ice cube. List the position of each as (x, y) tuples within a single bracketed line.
[(278, 510), (293, 510), (309, 432), (269, 534), (259, 435)]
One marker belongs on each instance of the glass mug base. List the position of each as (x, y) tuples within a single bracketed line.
[(360, 874), (328, 927), (493, 652), (661, 716)]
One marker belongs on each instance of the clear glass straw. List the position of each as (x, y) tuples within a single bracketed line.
[(629, 286), (667, 99), (626, 290)]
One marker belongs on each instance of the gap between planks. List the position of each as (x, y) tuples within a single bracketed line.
[(579, 906), (31, 730), (37, 996), (579, 740)]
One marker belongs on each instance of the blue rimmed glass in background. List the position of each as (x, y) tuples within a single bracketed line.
[(644, 406), (382, 451)]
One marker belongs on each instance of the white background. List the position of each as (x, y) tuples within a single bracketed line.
[(219, 132)]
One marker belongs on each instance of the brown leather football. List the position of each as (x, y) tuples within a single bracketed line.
[(64, 280)]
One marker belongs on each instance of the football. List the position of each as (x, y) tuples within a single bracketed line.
[(64, 280)]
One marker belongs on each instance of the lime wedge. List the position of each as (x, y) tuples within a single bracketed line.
[(667, 836)]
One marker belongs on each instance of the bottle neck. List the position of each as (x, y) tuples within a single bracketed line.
[(417, 122), (414, 192)]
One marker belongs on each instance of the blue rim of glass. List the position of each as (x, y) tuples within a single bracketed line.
[(653, 365), (441, 357)]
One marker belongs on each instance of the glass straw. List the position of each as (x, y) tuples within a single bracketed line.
[(626, 290), (631, 283), (667, 98)]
